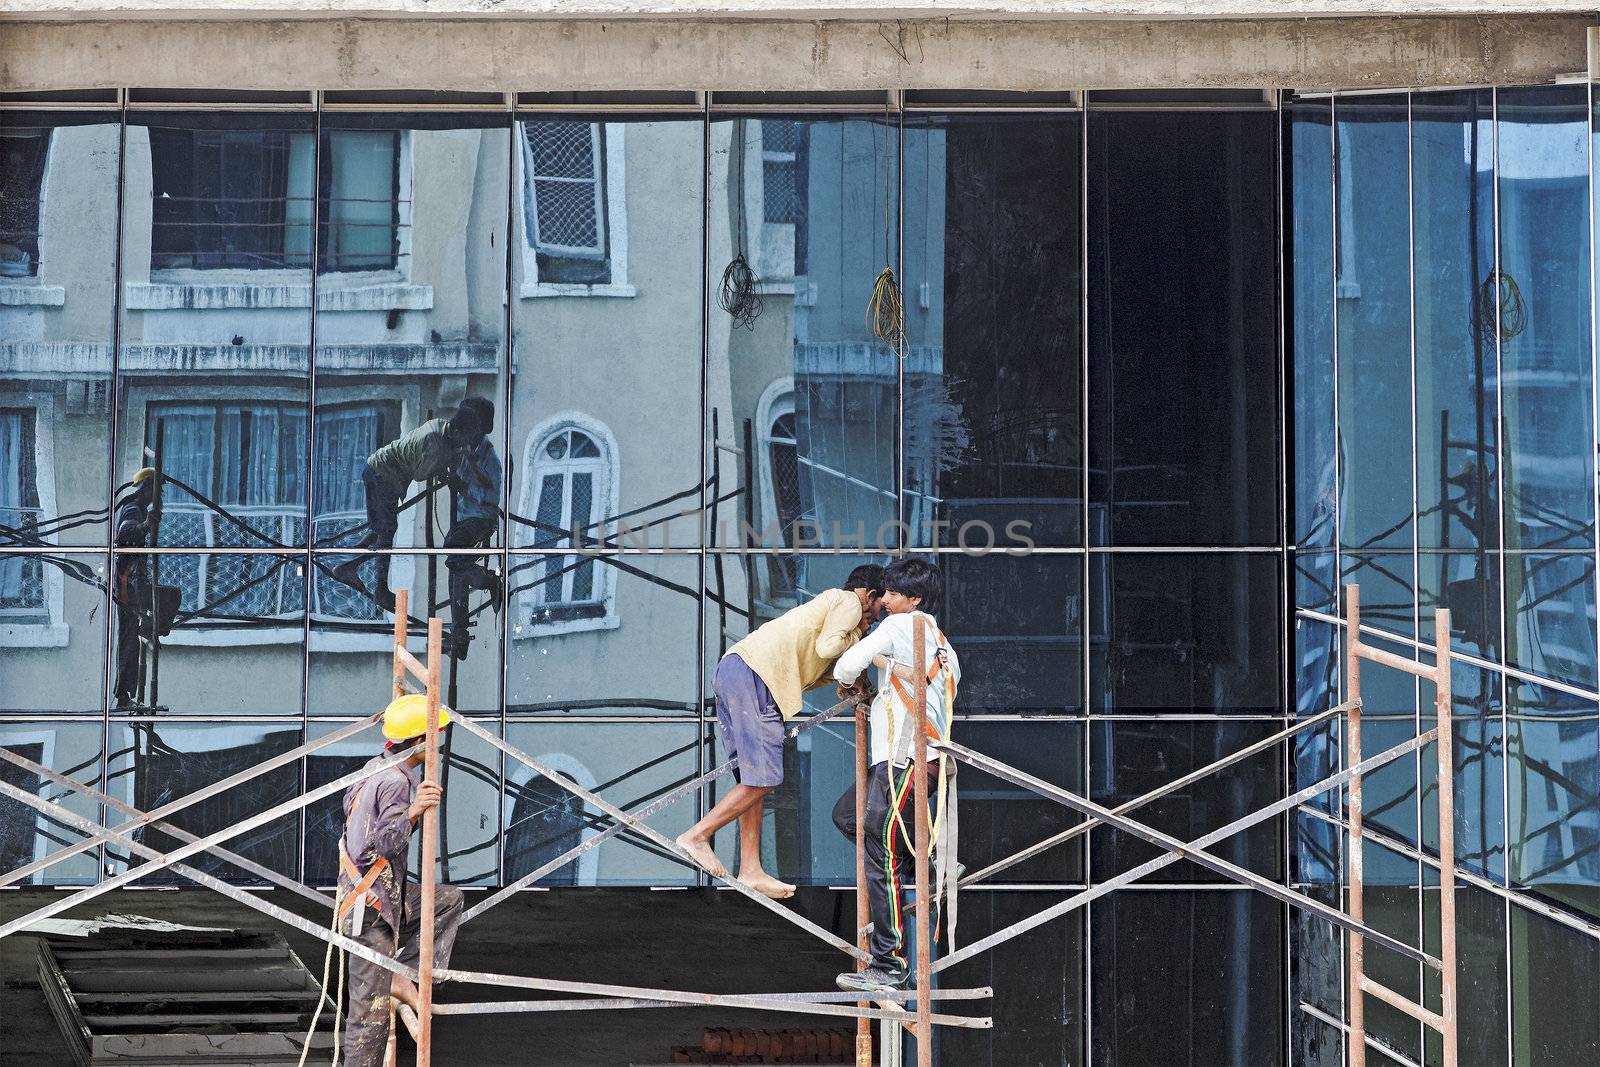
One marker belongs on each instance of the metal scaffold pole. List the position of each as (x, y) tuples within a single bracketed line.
[(919, 778), (863, 907)]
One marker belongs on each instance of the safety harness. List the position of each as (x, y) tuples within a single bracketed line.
[(945, 821), (360, 896)]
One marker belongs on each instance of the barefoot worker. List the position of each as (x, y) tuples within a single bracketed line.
[(758, 684), (376, 904)]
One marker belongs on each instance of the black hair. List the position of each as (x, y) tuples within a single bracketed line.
[(475, 415), (916, 577), (868, 576)]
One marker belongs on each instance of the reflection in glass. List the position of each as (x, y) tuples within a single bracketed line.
[(1553, 803), (155, 763), (72, 750), (1184, 632), (1205, 963), (1182, 358), (1550, 615), (57, 265), (804, 386), (1554, 973), (52, 633), (216, 268), (992, 256), (1018, 622), (1130, 759), (1481, 1007), (629, 764), (1310, 151), (999, 819)]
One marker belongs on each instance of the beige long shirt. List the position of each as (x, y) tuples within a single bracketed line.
[(795, 651)]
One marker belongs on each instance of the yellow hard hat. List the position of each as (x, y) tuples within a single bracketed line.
[(407, 717), (143, 474)]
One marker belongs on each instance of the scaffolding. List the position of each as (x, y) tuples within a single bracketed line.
[(913, 1010)]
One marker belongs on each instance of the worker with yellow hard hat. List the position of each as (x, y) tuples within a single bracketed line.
[(130, 590), (380, 814)]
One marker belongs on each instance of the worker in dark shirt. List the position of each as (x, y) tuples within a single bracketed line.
[(426, 454), (131, 587), (476, 484), (377, 906)]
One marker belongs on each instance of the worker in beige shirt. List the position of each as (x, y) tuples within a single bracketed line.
[(759, 683)]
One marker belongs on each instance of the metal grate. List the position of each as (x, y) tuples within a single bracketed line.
[(564, 166)]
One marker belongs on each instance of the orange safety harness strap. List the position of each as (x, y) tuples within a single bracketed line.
[(362, 882)]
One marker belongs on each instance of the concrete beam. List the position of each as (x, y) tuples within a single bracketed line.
[(531, 55), (783, 10)]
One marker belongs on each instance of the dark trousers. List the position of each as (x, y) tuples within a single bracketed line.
[(890, 862), (466, 572), (127, 682), (383, 518), (366, 1028)]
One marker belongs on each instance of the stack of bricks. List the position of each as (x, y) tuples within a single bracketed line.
[(721, 1045)]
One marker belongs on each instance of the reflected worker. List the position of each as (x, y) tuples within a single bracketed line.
[(759, 683), (427, 453), (132, 587), (380, 814), (476, 484)]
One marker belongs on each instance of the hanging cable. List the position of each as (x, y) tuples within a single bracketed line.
[(738, 295), (886, 313)]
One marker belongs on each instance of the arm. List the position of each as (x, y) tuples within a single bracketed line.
[(860, 655), (839, 627)]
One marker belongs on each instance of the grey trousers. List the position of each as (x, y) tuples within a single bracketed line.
[(366, 1028)]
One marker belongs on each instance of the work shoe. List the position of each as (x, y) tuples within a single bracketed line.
[(491, 582), (348, 572), (874, 979)]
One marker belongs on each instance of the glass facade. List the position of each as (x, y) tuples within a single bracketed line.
[(1442, 316), (1090, 427)]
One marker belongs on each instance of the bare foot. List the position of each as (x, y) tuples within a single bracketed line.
[(403, 990), (699, 850), (768, 886)]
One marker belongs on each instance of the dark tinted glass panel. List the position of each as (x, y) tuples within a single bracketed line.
[(1037, 980), (999, 819), (801, 227), (1017, 623), (1480, 976), (1187, 977), (57, 294), (153, 764), (1315, 982), (1310, 158), (1185, 632), (1393, 908), (1374, 322), (1189, 349), (1130, 759), (1554, 973), (73, 751), (993, 420), (1544, 325), (53, 632)]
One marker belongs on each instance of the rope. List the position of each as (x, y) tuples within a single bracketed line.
[(886, 312), (738, 296), (322, 998)]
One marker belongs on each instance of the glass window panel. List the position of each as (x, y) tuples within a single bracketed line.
[(1316, 978), (1479, 769), (1374, 322), (1191, 351), (156, 763), (1554, 973), (216, 324), (1310, 159), (1393, 908), (628, 763), (1185, 632), (1037, 980), (1452, 153), (606, 312), (1480, 973), (57, 269), (1553, 799), (234, 615), (1130, 759), (626, 648), (801, 344), (1017, 623), (1544, 325), (53, 633), (74, 751), (993, 422), (468, 824), (1550, 609), (1190, 976), (411, 287)]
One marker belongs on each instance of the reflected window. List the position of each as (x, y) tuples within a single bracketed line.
[(242, 199), (546, 821), (21, 577), (567, 215), (784, 161), (569, 491), (22, 158), (25, 835), (781, 496)]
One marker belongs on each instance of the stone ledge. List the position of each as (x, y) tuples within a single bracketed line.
[(385, 296), (13, 295)]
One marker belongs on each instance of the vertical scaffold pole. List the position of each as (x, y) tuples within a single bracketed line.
[(863, 911), (1447, 834), (430, 851), (919, 777), (1355, 966), (402, 617)]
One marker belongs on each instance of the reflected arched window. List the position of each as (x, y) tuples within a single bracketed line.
[(782, 499), (569, 487)]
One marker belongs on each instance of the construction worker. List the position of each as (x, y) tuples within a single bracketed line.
[(376, 904), (426, 454), (908, 585), (132, 589), (476, 484), (758, 683)]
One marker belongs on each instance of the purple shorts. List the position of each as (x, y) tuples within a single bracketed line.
[(749, 724)]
